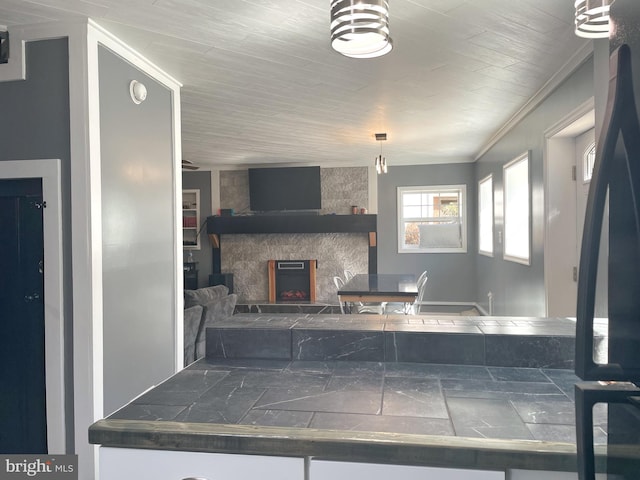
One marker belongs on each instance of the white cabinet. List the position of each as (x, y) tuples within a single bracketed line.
[(136, 464), (325, 470), (190, 219)]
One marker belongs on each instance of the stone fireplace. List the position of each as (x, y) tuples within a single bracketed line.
[(247, 257), (245, 253)]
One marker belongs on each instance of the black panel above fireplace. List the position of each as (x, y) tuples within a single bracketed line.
[(292, 224)]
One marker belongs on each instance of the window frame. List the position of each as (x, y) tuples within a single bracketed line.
[(488, 253), (525, 157), (586, 167), (461, 189)]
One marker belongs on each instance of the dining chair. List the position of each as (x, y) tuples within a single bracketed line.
[(415, 308), (348, 275), (411, 308), (375, 308), (360, 307), (339, 283)]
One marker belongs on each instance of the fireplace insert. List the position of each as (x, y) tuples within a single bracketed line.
[(292, 281)]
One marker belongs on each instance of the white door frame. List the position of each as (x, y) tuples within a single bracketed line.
[(582, 113), (49, 171)]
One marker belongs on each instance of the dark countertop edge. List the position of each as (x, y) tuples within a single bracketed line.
[(349, 446), (361, 325)]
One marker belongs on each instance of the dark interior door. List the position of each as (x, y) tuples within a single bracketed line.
[(23, 422)]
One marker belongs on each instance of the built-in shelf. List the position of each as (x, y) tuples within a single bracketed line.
[(291, 224), (190, 219)]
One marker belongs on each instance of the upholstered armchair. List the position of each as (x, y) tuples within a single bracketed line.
[(212, 304)]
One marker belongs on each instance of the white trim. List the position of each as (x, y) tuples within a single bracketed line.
[(461, 188), (580, 111), (549, 87), (178, 256), (86, 218), (113, 43), (49, 171)]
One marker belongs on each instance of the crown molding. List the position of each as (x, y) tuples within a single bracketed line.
[(581, 56)]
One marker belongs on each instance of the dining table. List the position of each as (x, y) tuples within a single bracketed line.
[(379, 288)]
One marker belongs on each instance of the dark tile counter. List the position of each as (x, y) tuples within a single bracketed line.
[(316, 392), (495, 341), (439, 415)]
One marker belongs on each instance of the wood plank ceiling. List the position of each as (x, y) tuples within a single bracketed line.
[(262, 85)]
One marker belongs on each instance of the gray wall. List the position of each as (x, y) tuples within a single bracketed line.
[(246, 256), (35, 124), (451, 275), (519, 289), (138, 233), (201, 181)]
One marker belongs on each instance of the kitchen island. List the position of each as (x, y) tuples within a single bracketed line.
[(309, 416)]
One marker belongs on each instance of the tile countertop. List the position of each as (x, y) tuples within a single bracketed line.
[(399, 413)]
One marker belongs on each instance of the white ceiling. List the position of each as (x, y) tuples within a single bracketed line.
[(262, 85)]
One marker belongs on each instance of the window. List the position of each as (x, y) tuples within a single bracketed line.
[(516, 210), (589, 159), (432, 219), (485, 216)]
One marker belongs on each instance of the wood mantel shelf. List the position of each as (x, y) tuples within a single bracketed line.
[(290, 223)]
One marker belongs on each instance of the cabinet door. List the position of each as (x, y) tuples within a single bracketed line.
[(135, 464), (324, 470)]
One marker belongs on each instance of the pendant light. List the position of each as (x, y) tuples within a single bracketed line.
[(360, 28), (380, 161), (592, 18)]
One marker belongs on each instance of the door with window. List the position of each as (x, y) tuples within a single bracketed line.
[(22, 377), (569, 165), (585, 159)]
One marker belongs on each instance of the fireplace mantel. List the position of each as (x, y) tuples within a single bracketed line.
[(291, 224)]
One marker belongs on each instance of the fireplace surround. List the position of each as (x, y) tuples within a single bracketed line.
[(292, 280), (242, 246)]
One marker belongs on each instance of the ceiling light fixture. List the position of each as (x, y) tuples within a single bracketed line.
[(360, 28), (138, 92), (592, 18), (380, 161)]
